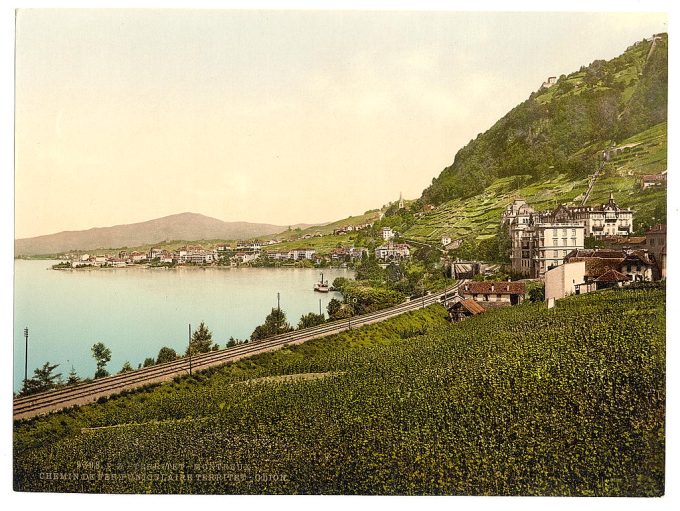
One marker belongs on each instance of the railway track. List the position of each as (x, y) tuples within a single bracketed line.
[(29, 406)]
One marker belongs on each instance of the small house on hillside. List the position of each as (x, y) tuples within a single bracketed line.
[(494, 293), (463, 309)]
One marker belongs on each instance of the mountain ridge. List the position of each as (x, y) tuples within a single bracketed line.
[(180, 226)]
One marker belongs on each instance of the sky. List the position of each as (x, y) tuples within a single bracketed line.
[(281, 117)]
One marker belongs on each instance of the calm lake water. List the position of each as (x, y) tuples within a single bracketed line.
[(136, 311)]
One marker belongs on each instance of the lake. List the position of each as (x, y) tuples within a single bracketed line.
[(136, 311)]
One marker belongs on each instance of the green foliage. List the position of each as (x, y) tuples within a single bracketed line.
[(148, 362), (311, 319), (369, 269), (537, 292), (517, 401), (127, 367), (333, 307), (201, 340), (43, 379), (73, 377), (102, 356), (166, 354), (275, 323), (544, 136)]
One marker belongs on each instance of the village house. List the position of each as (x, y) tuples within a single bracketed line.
[(156, 252), (277, 255), (653, 181), (461, 309), (138, 257), (116, 262), (200, 257), (624, 242), (635, 265), (656, 245), (392, 252), (387, 233), (446, 240), (249, 245), (245, 257), (298, 254), (566, 280), (552, 80), (493, 293)]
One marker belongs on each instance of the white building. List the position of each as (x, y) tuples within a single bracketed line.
[(387, 233), (565, 280), (536, 248), (517, 213), (446, 240), (598, 221), (392, 252), (298, 254)]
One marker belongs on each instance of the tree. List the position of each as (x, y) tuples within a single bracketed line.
[(311, 319), (537, 293), (127, 367), (166, 355), (201, 340), (333, 307), (149, 361), (73, 377), (102, 356), (275, 323), (42, 380)]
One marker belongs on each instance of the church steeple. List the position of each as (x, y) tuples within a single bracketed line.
[(401, 201)]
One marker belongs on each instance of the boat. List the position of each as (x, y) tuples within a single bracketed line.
[(322, 286)]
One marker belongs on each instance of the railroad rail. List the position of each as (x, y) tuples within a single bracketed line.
[(50, 401)]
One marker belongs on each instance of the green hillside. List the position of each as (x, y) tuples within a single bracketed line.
[(545, 149), (561, 130), (518, 401)]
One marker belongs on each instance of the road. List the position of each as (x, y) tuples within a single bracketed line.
[(38, 404)]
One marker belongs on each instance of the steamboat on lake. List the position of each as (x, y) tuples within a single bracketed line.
[(322, 286)]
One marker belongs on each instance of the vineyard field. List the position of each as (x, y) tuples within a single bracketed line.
[(518, 401)]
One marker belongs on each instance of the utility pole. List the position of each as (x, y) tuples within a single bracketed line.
[(278, 313), (26, 358), (190, 349), (320, 313)]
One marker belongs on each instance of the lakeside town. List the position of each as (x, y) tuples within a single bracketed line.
[(564, 251)]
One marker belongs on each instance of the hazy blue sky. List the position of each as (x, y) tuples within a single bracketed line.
[(269, 116)]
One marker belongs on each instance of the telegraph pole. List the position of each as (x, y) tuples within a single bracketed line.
[(278, 313), (320, 313), (26, 358), (190, 349)]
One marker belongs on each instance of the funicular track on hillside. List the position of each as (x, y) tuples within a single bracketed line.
[(29, 406)]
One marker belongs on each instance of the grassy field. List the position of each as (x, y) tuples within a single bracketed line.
[(519, 401)]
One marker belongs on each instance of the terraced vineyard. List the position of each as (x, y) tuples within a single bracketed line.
[(520, 401), (479, 216)]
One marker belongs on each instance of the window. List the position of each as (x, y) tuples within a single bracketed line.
[(564, 232), (573, 232), (555, 253)]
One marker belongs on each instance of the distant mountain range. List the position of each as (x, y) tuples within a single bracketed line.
[(183, 226)]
